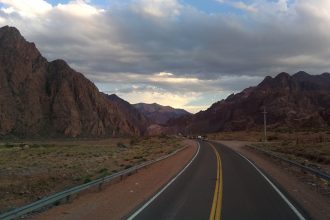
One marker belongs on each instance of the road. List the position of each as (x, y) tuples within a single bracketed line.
[(219, 184)]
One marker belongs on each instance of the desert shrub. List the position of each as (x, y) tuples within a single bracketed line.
[(35, 146), (103, 170), (285, 143), (327, 160), (162, 135), (9, 145), (128, 166), (321, 138), (272, 137), (133, 141), (121, 145), (87, 179)]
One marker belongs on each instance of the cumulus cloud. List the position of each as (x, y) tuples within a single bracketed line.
[(157, 8), (244, 6), (239, 5), (176, 48), (31, 8)]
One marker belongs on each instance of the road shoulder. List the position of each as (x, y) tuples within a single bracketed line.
[(314, 203), (118, 199)]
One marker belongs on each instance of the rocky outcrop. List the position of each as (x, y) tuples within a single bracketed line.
[(41, 98), (300, 101), (129, 113)]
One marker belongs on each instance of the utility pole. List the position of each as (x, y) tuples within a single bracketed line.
[(265, 124)]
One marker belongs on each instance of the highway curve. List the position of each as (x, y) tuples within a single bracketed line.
[(247, 194), (219, 184)]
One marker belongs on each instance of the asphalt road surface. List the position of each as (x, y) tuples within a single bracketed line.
[(246, 193), (219, 184)]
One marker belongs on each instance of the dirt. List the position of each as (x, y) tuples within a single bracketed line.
[(118, 199), (296, 137), (31, 170), (294, 182)]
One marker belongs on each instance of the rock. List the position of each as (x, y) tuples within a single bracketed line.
[(159, 114), (41, 98), (292, 102), (26, 146)]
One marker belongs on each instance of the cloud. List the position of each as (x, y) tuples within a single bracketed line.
[(196, 94), (244, 6), (240, 5), (157, 8), (31, 8), (78, 9), (177, 49)]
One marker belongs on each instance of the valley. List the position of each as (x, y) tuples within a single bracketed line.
[(58, 130), (30, 170)]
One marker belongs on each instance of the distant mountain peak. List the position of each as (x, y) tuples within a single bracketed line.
[(14, 44), (60, 62), (160, 114), (14, 32), (301, 75), (283, 75), (11, 34), (299, 101), (113, 96)]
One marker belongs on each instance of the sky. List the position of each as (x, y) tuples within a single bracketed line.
[(184, 53)]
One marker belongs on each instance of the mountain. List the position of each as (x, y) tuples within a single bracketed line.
[(129, 112), (41, 98), (160, 114), (300, 101)]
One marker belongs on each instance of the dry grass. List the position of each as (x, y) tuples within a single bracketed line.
[(304, 147), (307, 146), (30, 170), (236, 136)]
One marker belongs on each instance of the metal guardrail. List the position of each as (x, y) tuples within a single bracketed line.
[(315, 172), (51, 200)]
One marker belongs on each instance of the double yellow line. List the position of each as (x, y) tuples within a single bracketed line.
[(217, 198)]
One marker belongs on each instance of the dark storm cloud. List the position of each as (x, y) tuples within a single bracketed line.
[(188, 43)]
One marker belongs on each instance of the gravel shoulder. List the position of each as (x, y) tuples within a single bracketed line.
[(315, 203), (115, 201)]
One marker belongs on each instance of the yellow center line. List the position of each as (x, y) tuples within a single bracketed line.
[(217, 198)]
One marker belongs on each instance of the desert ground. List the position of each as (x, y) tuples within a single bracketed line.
[(32, 169)]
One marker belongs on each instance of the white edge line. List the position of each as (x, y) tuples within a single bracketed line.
[(164, 188), (294, 209)]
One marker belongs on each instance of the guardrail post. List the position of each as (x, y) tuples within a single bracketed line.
[(304, 168)]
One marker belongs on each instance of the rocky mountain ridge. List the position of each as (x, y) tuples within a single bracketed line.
[(41, 98), (300, 101), (50, 99), (159, 114)]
